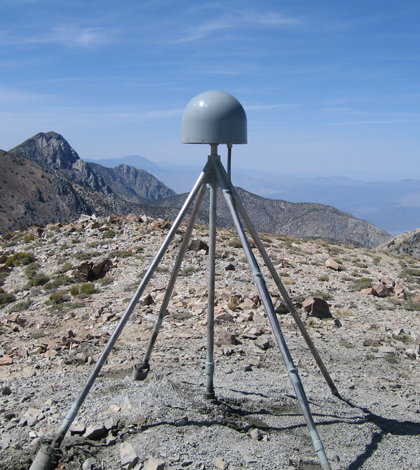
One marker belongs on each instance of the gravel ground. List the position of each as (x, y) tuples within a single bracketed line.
[(370, 347)]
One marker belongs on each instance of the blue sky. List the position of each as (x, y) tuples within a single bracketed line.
[(329, 87)]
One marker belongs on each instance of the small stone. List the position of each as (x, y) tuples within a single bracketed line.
[(89, 463), (220, 463), (77, 429), (128, 455), (228, 338), (224, 317), (247, 368), (6, 391), (182, 422), (153, 464), (111, 422), (317, 307), (330, 263), (32, 416), (229, 267), (256, 435), (6, 361), (381, 290), (147, 300), (95, 432), (263, 344)]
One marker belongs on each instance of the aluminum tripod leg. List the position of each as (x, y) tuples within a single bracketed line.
[(211, 282), (266, 299), (284, 294), (47, 453), (141, 369)]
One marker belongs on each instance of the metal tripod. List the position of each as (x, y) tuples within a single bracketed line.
[(213, 175)]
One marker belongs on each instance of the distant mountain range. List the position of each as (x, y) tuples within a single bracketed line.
[(393, 206), (44, 180)]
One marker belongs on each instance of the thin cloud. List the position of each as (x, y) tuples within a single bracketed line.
[(71, 36), (234, 22), (9, 95), (266, 107)]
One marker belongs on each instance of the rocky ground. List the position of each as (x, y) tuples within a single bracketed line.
[(65, 287)]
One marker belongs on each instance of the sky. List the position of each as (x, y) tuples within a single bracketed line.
[(329, 87)]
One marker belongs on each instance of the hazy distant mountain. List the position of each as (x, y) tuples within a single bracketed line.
[(392, 205), (304, 220)]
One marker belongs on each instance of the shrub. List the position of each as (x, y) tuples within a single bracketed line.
[(58, 297), (27, 238), (38, 280), (6, 298), (66, 267), (20, 306), (108, 234), (189, 271), (359, 284), (31, 270), (120, 254), (19, 258), (2, 278), (235, 243), (87, 288), (59, 281), (74, 290), (106, 281)]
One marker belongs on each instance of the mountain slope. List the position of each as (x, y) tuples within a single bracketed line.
[(52, 152), (303, 220), (30, 195)]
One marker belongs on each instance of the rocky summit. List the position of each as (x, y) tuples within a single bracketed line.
[(64, 288)]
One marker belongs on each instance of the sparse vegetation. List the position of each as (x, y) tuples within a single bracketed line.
[(20, 307), (189, 271), (359, 284), (6, 298), (27, 238), (108, 234), (58, 297), (31, 270), (19, 258), (345, 343), (61, 280), (2, 278), (88, 288), (38, 280), (74, 290)]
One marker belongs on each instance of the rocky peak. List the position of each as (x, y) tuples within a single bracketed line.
[(49, 150)]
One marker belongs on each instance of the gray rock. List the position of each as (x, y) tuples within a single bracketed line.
[(153, 464), (95, 432), (317, 307), (128, 456)]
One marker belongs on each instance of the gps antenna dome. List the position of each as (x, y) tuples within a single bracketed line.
[(214, 117)]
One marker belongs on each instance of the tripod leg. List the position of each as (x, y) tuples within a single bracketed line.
[(265, 296), (141, 369), (284, 293), (211, 290)]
